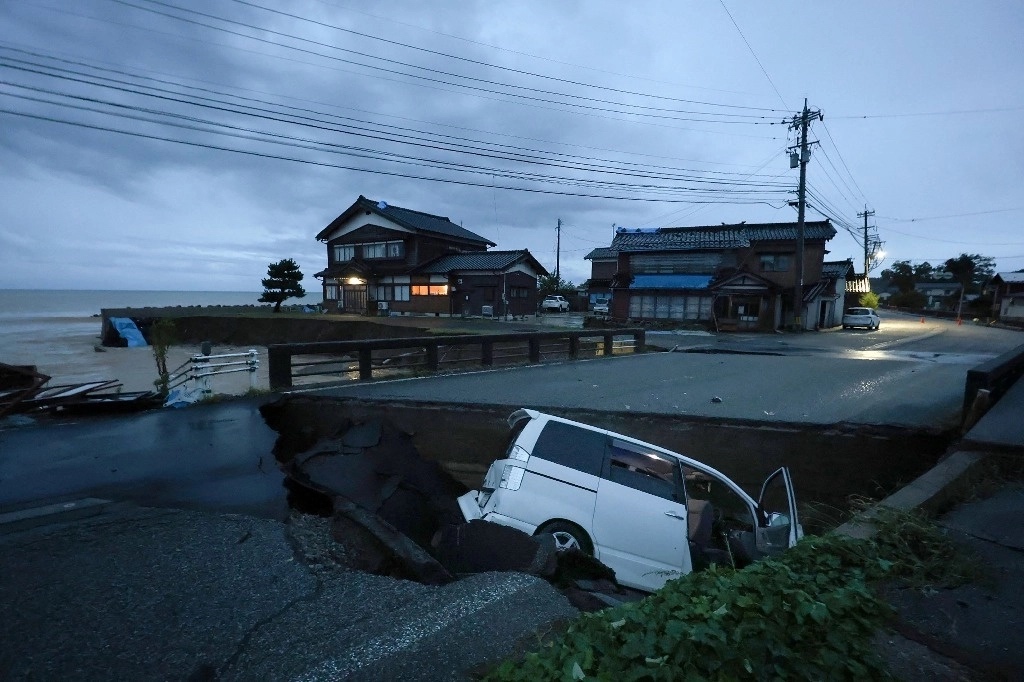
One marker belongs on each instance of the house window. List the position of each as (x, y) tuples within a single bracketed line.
[(775, 262), (519, 292), (395, 249), (331, 292), (429, 289), (344, 253), (389, 292), (373, 250)]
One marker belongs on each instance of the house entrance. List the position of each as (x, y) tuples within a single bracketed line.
[(353, 298)]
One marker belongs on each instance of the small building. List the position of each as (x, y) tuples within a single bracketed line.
[(941, 294), (603, 262), (828, 297), (384, 259), (491, 284), (730, 276), (1008, 296)]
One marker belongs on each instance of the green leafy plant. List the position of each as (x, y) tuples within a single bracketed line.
[(869, 299), (162, 335), (810, 613)]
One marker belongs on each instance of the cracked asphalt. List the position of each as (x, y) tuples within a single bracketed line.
[(147, 594)]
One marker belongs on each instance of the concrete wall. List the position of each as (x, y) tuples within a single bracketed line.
[(828, 463)]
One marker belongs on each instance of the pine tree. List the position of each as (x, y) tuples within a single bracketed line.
[(281, 283)]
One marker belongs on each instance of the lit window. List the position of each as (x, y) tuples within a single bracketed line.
[(430, 290)]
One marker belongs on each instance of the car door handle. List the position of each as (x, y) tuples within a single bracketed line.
[(675, 516)]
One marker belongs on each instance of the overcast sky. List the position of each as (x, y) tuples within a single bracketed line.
[(184, 145)]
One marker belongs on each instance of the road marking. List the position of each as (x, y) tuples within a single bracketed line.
[(909, 339)]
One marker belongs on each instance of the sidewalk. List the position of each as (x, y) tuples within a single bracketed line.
[(974, 631)]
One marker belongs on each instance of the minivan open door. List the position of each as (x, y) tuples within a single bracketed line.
[(777, 505)]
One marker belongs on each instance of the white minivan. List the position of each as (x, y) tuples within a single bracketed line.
[(648, 513)]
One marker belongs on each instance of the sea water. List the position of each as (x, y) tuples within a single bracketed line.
[(58, 331)]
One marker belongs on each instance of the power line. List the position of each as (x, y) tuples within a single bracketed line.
[(953, 215), (635, 110), (483, 63), (754, 55), (951, 112), (190, 143)]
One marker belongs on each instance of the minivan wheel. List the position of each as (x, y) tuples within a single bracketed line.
[(568, 536)]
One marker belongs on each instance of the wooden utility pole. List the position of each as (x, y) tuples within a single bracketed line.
[(867, 256)]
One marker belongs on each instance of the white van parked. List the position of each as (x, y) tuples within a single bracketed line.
[(648, 513)]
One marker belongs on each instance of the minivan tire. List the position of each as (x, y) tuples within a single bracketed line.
[(568, 536)]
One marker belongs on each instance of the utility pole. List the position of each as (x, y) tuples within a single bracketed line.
[(558, 252), (867, 258), (798, 293)]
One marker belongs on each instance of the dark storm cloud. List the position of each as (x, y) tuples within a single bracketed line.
[(222, 215)]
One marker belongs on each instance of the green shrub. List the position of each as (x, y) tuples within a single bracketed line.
[(808, 614)]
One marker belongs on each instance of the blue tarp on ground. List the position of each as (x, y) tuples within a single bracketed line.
[(127, 330), (670, 282)]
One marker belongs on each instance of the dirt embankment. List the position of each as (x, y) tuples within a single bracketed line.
[(241, 330)]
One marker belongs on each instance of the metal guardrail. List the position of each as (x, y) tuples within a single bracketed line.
[(435, 348), (200, 368)]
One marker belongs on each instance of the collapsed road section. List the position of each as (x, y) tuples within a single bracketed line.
[(395, 513), (398, 510)]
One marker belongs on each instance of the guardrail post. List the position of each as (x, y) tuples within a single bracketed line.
[(253, 363), (574, 346), (365, 364), (534, 349), (609, 344), (639, 341), (433, 360), (487, 353), (280, 368)]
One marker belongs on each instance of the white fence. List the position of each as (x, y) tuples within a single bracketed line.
[(191, 381)]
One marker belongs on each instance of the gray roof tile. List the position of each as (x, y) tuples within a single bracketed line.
[(484, 260), (717, 237), (414, 220)]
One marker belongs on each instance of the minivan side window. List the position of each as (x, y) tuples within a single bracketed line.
[(642, 469), (571, 446)]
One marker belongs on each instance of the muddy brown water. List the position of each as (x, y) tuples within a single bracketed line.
[(831, 465)]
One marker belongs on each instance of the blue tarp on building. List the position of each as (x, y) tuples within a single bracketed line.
[(670, 282), (127, 330)]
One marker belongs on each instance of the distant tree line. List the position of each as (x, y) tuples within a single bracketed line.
[(970, 270)]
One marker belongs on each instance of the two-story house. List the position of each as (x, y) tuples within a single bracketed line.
[(391, 260), (1008, 296), (733, 276)]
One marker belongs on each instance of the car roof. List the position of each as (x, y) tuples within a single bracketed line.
[(526, 413)]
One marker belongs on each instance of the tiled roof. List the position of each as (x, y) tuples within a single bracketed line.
[(601, 253), (718, 237), (1014, 277), (414, 220), (837, 269), (484, 260)]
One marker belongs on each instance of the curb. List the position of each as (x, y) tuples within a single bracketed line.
[(931, 491)]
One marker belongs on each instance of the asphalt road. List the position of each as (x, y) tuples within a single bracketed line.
[(166, 458), (907, 374)]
